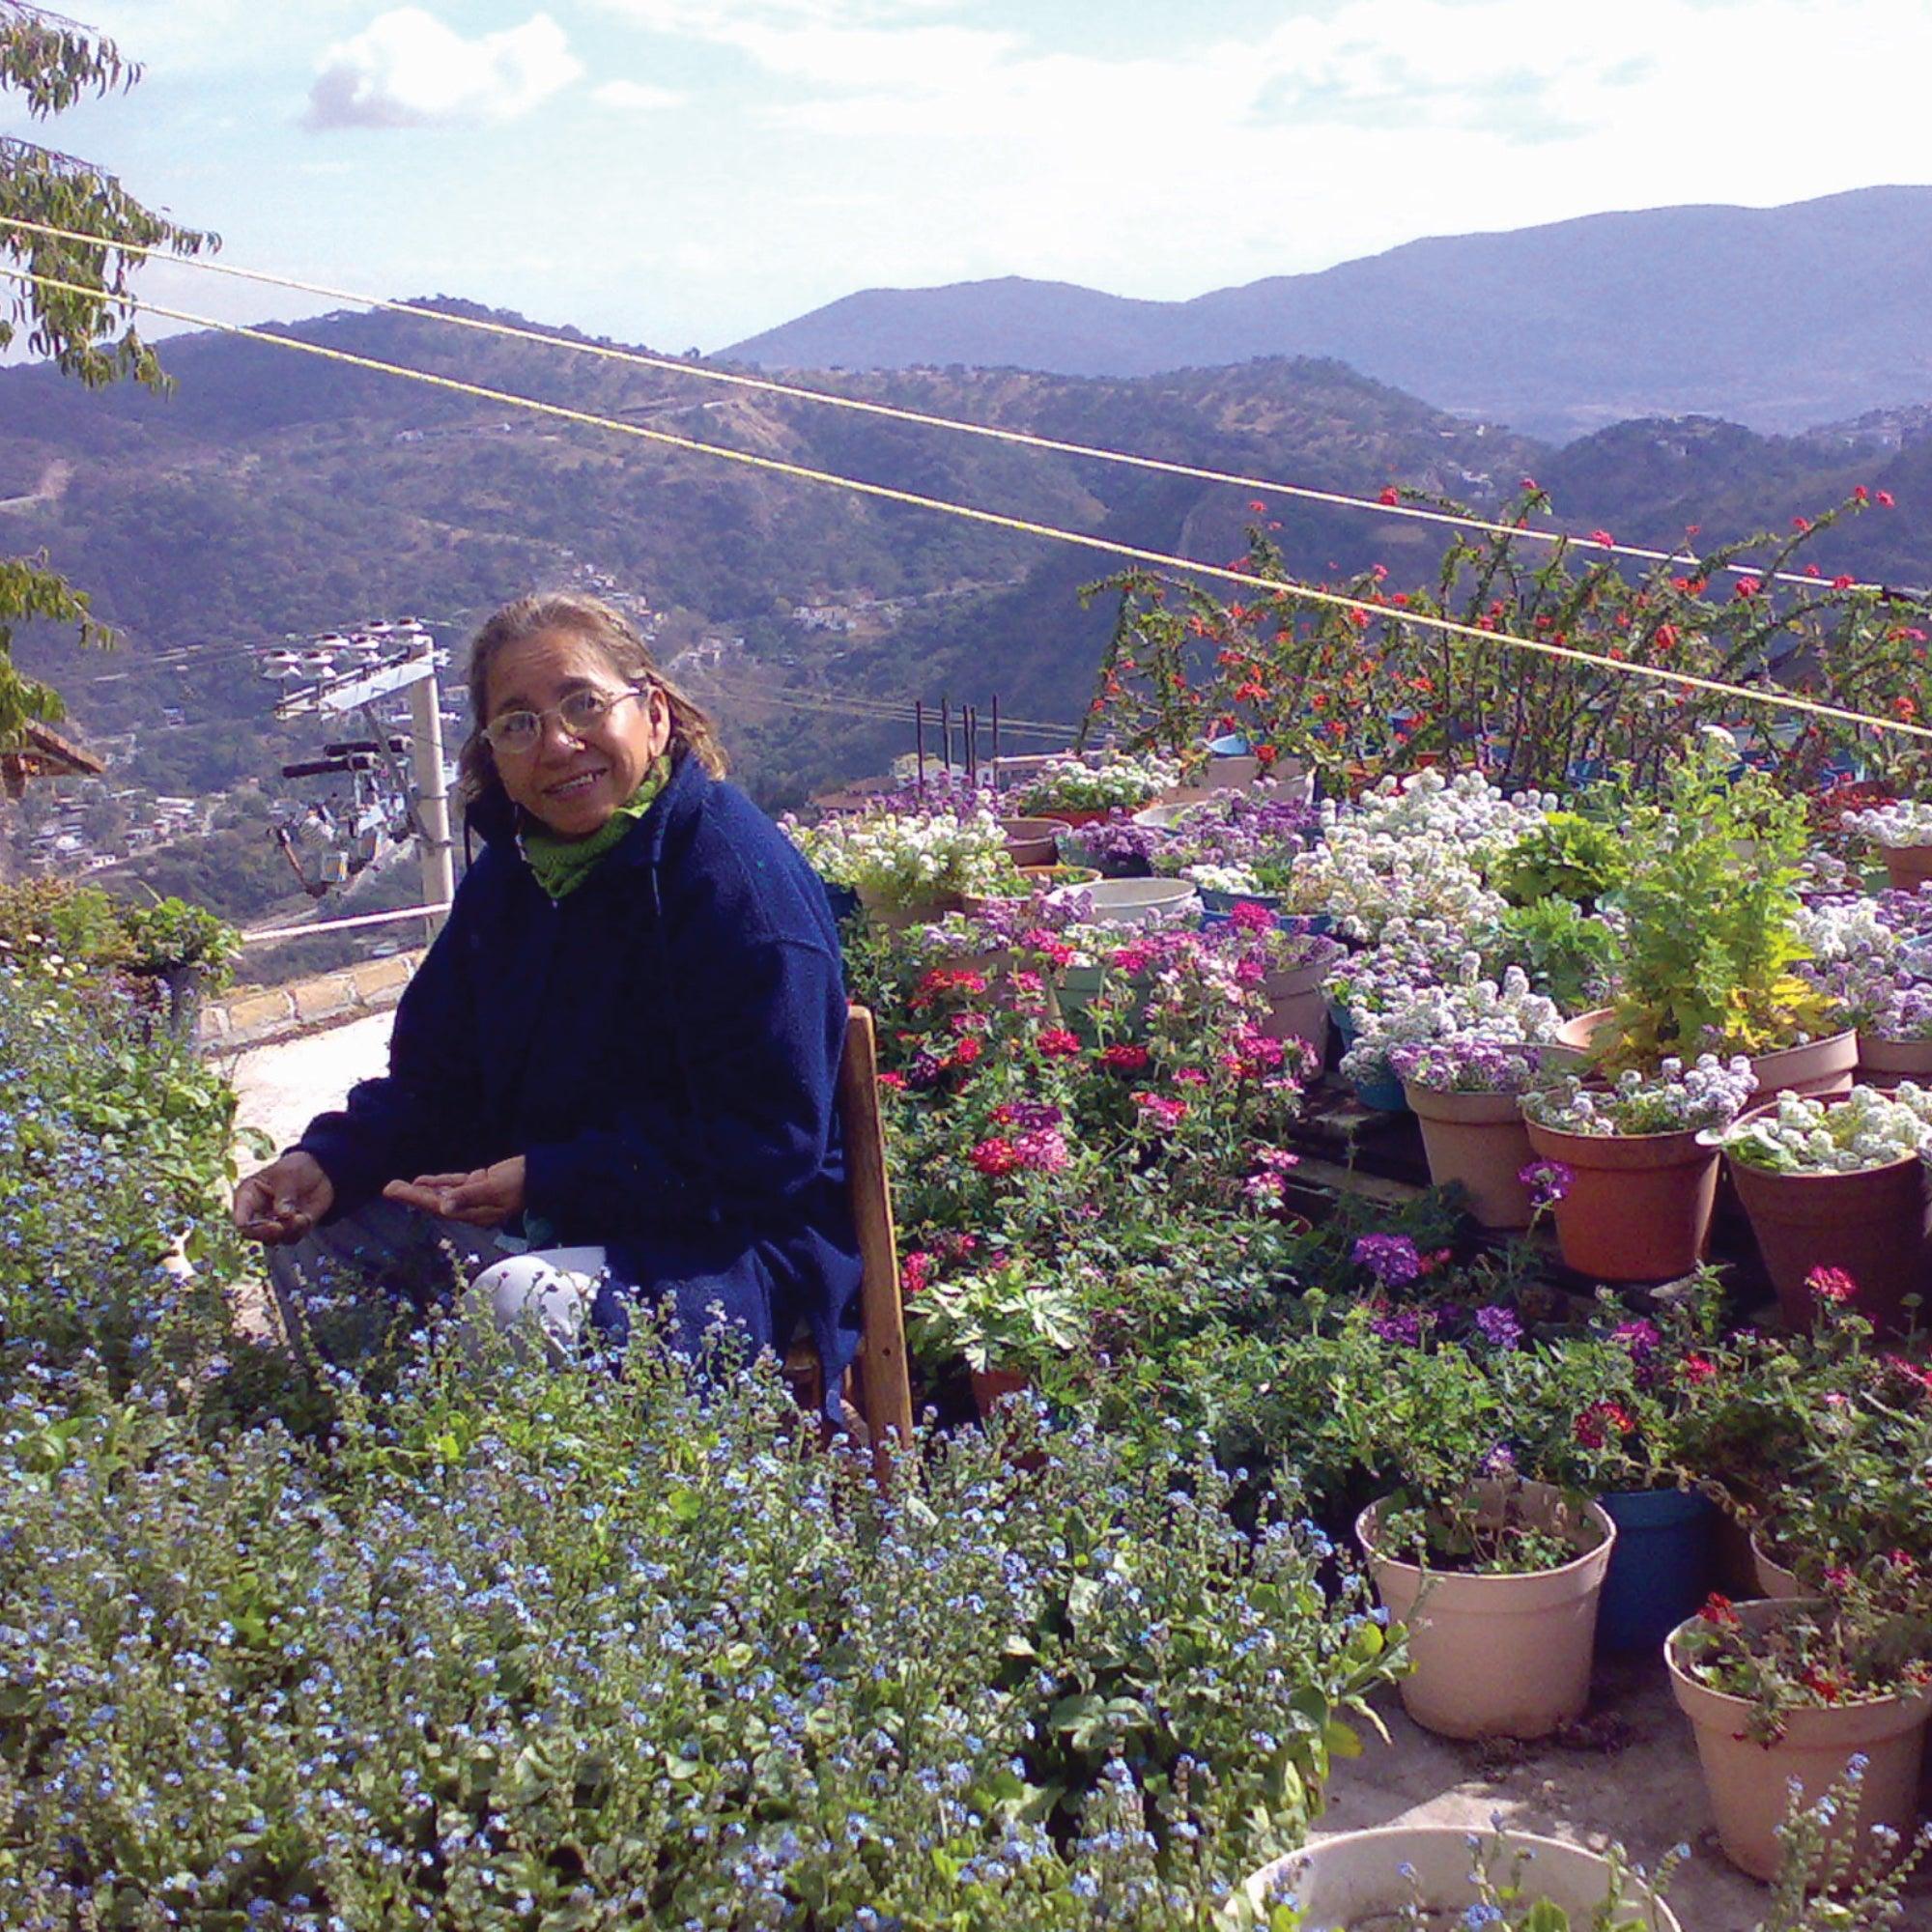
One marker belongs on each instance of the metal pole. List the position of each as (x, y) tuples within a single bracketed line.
[(996, 741), (439, 871), (945, 736), (919, 740), (969, 725)]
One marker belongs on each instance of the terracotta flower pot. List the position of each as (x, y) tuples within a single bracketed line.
[(1073, 814), (1032, 842), (1874, 1225), (1884, 1063), (1297, 1007), (1821, 1069), (1773, 1580), (1640, 1205), (1480, 1140), (1502, 1656), (993, 1387), (901, 915), (1358, 1878), (1746, 1781), (1908, 867)]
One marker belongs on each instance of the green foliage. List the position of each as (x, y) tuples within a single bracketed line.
[(1570, 955), (1565, 856), (171, 933)]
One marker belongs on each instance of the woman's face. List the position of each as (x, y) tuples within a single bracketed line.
[(573, 782)]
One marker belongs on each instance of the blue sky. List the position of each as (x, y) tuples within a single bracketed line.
[(687, 172)]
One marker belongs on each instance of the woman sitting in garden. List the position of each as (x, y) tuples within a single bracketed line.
[(621, 1052)]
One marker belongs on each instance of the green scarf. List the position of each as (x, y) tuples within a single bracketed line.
[(562, 865)]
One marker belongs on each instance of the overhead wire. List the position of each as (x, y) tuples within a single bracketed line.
[(1020, 439), (1018, 526), (893, 711)]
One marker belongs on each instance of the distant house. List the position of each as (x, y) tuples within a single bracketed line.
[(40, 752)]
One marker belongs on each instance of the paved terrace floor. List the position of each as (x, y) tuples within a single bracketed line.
[(1628, 1772)]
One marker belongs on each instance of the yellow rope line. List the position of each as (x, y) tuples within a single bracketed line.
[(1018, 526), (1022, 439)]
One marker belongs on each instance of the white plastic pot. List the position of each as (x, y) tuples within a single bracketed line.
[(1132, 901), (1354, 1880)]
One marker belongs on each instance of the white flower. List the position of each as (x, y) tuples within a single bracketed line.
[(1906, 821)]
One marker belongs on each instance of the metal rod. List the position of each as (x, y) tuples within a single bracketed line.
[(918, 739), (996, 741), (945, 736), (969, 725)]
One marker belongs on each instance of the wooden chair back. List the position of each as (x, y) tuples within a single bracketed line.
[(884, 1380)]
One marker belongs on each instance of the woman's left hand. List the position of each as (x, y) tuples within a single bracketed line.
[(484, 1198)]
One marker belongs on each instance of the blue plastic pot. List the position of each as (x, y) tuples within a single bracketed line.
[(1660, 1568), (1384, 1096), (1212, 900)]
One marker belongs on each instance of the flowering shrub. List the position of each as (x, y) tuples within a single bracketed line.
[(1474, 1012), (1903, 822), (906, 856), (1114, 843), (1367, 877), (1465, 1063), (1866, 1128), (1118, 777), (1672, 1100), (1254, 834)]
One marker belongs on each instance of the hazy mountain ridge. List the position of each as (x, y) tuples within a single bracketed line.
[(1774, 318)]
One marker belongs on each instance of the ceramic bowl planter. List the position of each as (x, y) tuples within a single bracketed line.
[(1134, 901), (1480, 1141), (1032, 842), (1359, 1878), (1876, 1224), (1660, 1569), (897, 915), (1499, 1656), (1884, 1063), (1907, 866), (1773, 1580), (1746, 1781), (1639, 1205)]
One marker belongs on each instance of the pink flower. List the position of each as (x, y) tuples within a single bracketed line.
[(1123, 1058), (1058, 1043), (914, 1271), (1043, 1150), (995, 1157), (1189, 1076), (1249, 917), (1159, 1108), (1830, 1284)]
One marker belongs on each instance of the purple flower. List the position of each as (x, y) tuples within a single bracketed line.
[(1499, 1327), (1499, 1463), (1548, 1181), (1404, 1327), (1392, 1259)]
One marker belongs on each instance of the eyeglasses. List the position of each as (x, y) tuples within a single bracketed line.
[(517, 732)]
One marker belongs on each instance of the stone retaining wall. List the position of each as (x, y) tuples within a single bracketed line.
[(254, 1015)]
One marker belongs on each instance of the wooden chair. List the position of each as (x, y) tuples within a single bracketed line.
[(883, 1391)]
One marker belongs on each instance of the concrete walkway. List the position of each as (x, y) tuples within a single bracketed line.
[(282, 1088)]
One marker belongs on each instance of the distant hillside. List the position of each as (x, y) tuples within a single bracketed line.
[(1774, 318)]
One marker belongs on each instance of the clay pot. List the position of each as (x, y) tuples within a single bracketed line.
[(1874, 1225), (1908, 867), (1032, 842), (900, 915), (1073, 814), (1480, 1140), (993, 1387), (1639, 1205), (1821, 1069), (1297, 1007), (1746, 1781), (1884, 1063), (1499, 1656), (1773, 1580), (1357, 1878)]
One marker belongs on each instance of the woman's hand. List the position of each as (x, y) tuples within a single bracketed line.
[(485, 1198), (284, 1200)]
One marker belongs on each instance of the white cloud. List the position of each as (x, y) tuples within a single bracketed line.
[(636, 97), (408, 70)]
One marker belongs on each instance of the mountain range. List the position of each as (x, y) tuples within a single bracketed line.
[(1774, 318)]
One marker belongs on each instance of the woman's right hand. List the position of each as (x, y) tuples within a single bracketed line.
[(284, 1200)]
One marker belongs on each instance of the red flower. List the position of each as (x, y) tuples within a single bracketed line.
[(1844, 582), (1718, 1611), (1886, 500), (965, 1051), (1058, 1043), (1699, 1369), (1666, 636), (914, 1271), (1800, 525), (1158, 1107), (1389, 496), (1830, 1284), (1595, 1424), (994, 1157), (1123, 1058), (1860, 495), (1748, 586), (1526, 483), (894, 1083), (1605, 538)]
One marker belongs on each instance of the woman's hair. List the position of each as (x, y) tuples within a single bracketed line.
[(616, 641)]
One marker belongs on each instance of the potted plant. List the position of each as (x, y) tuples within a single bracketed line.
[(1465, 1090), (1290, 968), (1869, 965), (907, 868), (1839, 1185), (1790, 1693), (1642, 1182), (1440, 1875), (1459, 1566), (182, 949), (1078, 793), (1117, 846), (1711, 939), (1902, 830), (998, 1321)]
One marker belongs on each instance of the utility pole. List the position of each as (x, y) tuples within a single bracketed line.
[(428, 794)]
